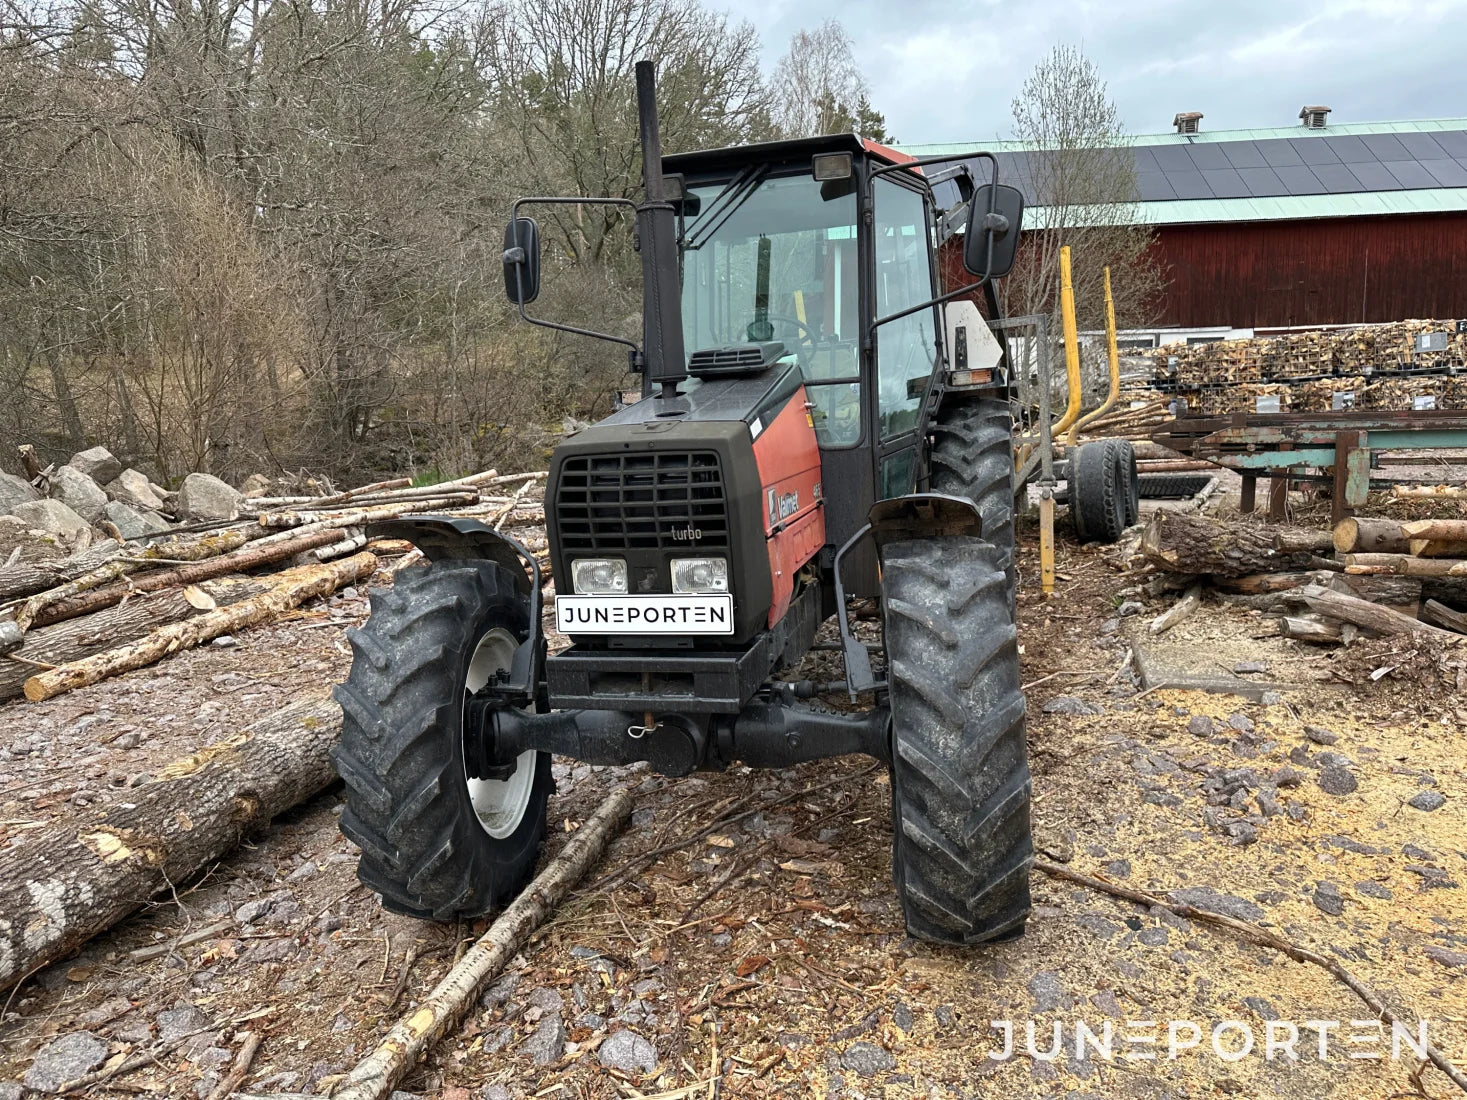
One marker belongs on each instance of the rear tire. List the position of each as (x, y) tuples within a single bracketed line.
[(1125, 459), (973, 457), (961, 848), (434, 843), (1097, 492)]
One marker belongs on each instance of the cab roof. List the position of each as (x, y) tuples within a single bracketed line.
[(734, 157)]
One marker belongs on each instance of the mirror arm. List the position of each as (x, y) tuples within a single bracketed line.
[(634, 355)]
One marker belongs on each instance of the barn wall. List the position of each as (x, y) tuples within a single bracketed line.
[(1328, 271)]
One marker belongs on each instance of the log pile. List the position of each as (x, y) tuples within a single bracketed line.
[(1372, 577), (118, 604), (1366, 367)]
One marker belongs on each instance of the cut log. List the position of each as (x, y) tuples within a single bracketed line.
[(1431, 548), (418, 504), (1186, 543), (1309, 628), (1369, 536), (1258, 583), (1406, 565), (1429, 492), (1453, 620), (1437, 530), (250, 556), (287, 590), (1363, 613), (1182, 609), (376, 1075), (75, 639), (69, 882)]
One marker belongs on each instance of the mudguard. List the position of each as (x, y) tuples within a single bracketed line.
[(460, 538)]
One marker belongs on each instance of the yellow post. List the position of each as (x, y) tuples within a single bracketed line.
[(1072, 343), (1046, 541), (1114, 356)]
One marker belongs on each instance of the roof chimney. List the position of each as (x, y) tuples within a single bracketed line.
[(1187, 122), (1314, 117)]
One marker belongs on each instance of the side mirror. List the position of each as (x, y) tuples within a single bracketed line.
[(522, 261), (992, 240)]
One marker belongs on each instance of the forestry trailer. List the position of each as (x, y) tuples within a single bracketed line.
[(819, 420)]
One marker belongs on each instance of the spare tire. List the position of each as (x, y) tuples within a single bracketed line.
[(1097, 492)]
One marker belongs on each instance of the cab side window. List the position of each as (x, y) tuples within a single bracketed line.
[(906, 349)]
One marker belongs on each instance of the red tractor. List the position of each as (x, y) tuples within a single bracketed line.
[(819, 421)]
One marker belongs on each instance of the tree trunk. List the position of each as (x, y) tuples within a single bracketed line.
[(287, 590), (1437, 530), (1446, 616), (75, 639), (1406, 565), (20, 580), (1431, 548), (68, 883), (1186, 543), (243, 560), (1369, 536)]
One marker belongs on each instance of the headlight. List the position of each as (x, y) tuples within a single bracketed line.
[(690, 575), (599, 576)]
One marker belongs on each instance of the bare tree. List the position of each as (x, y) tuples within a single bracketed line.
[(1081, 191), (819, 89)]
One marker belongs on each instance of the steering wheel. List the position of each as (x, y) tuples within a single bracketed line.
[(804, 351)]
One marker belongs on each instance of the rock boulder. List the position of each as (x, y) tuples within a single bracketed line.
[(15, 490), (205, 497), (133, 487), (52, 517), (98, 463), (79, 493), (133, 523)]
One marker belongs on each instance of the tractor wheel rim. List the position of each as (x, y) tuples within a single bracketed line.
[(499, 804)]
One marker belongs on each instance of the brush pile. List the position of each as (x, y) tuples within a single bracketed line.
[(82, 598)]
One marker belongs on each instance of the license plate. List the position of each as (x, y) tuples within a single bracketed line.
[(644, 614)]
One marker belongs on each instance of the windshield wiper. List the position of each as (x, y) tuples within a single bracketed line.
[(723, 206)]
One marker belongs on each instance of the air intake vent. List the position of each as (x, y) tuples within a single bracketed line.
[(735, 359), (1314, 118), (1188, 122), (648, 501)]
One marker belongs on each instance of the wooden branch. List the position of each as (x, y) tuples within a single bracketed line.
[(287, 590), (75, 879), (1437, 613), (376, 1075), (74, 639), (1376, 536), (1178, 611), (1260, 936), (1363, 613), (250, 556), (239, 1069), (1308, 628), (416, 504)]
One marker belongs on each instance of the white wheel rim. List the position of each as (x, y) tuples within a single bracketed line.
[(499, 804)]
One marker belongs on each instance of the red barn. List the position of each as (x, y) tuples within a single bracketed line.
[(1299, 226)]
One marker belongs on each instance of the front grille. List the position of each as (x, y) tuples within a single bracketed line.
[(646, 501)]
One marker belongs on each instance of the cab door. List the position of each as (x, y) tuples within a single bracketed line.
[(905, 349)]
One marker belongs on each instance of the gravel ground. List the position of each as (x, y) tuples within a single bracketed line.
[(767, 953)]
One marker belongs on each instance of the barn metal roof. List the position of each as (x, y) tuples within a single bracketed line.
[(1280, 173)]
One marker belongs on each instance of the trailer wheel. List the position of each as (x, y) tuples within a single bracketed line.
[(434, 842), (1125, 459), (973, 457), (961, 848), (1097, 492)]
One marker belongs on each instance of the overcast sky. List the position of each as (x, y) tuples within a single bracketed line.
[(947, 71)]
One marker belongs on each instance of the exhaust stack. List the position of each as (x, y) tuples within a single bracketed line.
[(662, 316)]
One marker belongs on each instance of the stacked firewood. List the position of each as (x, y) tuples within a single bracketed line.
[(1368, 576), (119, 605), (1368, 366)]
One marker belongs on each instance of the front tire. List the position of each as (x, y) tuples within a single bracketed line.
[(960, 772), (973, 457), (435, 843)]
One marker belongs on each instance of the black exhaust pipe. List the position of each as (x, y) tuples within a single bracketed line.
[(662, 315)]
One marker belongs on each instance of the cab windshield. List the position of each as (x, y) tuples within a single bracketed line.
[(781, 265)]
